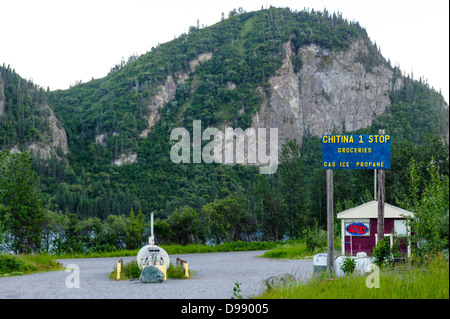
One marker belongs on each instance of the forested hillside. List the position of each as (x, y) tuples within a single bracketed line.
[(118, 132)]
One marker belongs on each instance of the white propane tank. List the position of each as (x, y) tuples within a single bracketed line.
[(152, 254)]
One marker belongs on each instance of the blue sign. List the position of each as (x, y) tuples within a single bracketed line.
[(356, 151), (357, 229)]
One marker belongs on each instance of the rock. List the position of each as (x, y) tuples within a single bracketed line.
[(332, 92), (279, 280), (125, 158), (166, 92), (151, 274)]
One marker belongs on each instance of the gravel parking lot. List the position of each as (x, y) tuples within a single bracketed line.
[(215, 275)]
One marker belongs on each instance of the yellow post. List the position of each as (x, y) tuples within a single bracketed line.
[(186, 270), (119, 269), (163, 269)]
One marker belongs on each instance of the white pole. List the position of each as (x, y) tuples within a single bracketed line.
[(152, 223), (151, 240)]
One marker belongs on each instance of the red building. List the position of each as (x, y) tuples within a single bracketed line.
[(359, 227)]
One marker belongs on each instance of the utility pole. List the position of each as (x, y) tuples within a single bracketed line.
[(330, 222), (375, 184), (381, 189)]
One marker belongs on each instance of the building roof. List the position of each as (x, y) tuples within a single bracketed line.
[(370, 210)]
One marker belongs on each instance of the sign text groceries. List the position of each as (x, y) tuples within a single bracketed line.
[(356, 151)]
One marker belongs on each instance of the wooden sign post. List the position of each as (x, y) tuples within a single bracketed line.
[(330, 222), (381, 184)]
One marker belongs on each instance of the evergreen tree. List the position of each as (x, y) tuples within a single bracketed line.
[(293, 186), (21, 208)]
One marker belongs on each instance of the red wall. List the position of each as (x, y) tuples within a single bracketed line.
[(366, 243)]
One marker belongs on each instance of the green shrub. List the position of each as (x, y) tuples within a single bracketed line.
[(316, 239), (131, 270), (349, 265), (13, 264), (382, 253), (237, 293), (176, 272)]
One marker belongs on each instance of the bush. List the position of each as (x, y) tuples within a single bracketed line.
[(430, 208), (316, 239), (131, 270), (349, 265), (176, 272), (382, 253), (13, 264)]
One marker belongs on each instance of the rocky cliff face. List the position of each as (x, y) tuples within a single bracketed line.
[(165, 94), (166, 91), (331, 92), (54, 139)]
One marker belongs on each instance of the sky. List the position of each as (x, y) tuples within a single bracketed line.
[(56, 43)]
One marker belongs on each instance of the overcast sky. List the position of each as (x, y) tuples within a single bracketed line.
[(57, 42)]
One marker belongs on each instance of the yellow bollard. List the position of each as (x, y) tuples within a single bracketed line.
[(119, 269), (186, 270), (163, 269)]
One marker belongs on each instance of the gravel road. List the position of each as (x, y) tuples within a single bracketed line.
[(215, 275)]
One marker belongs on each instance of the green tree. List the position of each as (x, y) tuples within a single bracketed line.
[(163, 232), (271, 217), (227, 219), (293, 186), (431, 211), (22, 211), (53, 225), (186, 226), (116, 230), (2, 232), (135, 230)]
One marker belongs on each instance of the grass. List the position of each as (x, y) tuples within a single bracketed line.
[(225, 247), (289, 251), (294, 250), (115, 253), (131, 270), (429, 280), (16, 265), (180, 249), (177, 272)]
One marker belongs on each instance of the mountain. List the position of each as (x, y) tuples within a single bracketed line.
[(27, 121), (103, 147)]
